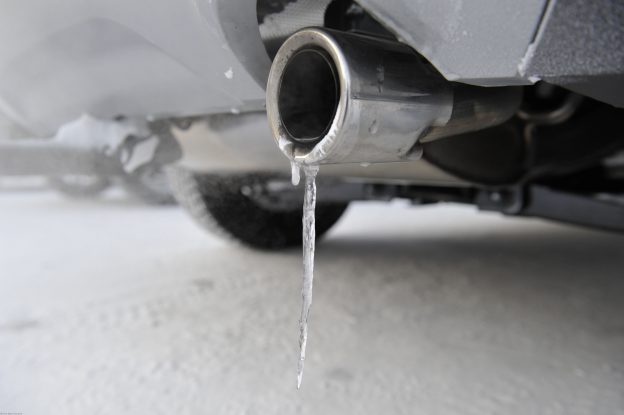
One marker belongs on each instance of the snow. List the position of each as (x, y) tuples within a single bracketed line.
[(112, 307)]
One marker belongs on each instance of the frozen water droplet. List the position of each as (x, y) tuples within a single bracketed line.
[(365, 164), (234, 110), (309, 239), (246, 191), (229, 74), (295, 170)]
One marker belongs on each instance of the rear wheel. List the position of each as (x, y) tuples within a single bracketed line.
[(149, 184), (79, 185), (219, 204)]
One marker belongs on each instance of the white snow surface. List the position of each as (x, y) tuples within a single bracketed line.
[(110, 307)]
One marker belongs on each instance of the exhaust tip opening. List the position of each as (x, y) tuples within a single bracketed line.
[(308, 95)]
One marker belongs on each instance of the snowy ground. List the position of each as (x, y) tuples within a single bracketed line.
[(112, 307)]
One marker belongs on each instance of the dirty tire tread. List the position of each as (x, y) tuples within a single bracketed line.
[(185, 190), (135, 187)]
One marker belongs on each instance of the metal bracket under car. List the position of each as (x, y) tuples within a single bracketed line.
[(85, 154), (603, 211), (596, 211), (89, 145)]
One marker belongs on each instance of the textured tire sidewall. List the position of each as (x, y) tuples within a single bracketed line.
[(217, 204), (135, 185)]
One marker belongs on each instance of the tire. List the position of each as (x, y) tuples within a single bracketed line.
[(218, 205), (79, 186), (149, 184)]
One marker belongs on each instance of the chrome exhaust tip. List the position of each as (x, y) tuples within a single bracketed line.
[(335, 97)]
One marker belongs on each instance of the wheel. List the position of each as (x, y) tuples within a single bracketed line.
[(78, 185), (218, 204), (149, 184)]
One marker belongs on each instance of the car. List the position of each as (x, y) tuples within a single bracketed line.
[(510, 106)]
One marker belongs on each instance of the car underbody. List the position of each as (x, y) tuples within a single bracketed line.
[(510, 106)]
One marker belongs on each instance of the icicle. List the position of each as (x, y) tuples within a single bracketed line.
[(309, 238), (295, 169)]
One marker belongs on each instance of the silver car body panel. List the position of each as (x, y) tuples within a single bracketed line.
[(165, 58), (134, 58)]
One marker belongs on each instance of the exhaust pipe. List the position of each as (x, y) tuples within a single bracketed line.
[(335, 97)]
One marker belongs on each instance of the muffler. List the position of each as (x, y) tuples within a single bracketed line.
[(335, 97)]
